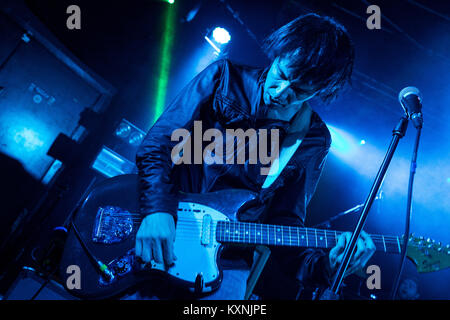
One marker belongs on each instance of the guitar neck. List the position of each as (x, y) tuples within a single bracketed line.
[(277, 235)]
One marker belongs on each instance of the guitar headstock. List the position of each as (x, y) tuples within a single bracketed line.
[(428, 255)]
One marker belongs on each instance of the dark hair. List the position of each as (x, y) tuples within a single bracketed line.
[(321, 50)]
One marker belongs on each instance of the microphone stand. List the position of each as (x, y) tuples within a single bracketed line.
[(398, 133)]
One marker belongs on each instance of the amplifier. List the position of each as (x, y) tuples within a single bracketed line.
[(29, 282)]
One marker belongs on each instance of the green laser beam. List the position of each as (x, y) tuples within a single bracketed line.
[(165, 60)]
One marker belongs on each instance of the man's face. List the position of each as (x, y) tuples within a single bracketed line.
[(281, 89)]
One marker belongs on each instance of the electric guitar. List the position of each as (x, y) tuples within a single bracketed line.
[(102, 242)]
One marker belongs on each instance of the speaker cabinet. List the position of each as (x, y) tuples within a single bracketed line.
[(28, 283)]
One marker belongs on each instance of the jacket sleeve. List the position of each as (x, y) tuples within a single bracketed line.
[(153, 158)]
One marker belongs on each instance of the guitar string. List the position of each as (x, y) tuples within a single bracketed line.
[(377, 240), (194, 220), (320, 232), (393, 239), (325, 232), (383, 242)]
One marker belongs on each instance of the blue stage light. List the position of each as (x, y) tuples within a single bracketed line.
[(129, 133), (111, 164), (123, 130), (221, 35), (342, 143), (347, 148), (135, 138), (216, 49), (29, 139)]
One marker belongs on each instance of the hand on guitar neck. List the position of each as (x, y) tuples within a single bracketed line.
[(365, 248), (155, 238)]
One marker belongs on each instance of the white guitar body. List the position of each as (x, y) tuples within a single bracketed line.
[(196, 247)]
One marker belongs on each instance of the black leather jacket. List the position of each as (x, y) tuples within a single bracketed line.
[(227, 95)]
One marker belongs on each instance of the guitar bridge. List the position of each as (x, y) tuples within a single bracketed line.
[(112, 225)]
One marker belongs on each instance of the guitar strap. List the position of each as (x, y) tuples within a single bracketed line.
[(296, 133)]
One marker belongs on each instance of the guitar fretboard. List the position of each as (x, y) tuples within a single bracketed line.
[(277, 235)]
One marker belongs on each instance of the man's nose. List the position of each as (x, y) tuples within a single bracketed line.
[(282, 88)]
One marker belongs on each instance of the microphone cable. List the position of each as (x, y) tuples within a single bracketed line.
[(100, 266), (408, 214)]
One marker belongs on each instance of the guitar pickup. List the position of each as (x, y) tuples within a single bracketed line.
[(206, 230)]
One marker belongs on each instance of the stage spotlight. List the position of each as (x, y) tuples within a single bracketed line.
[(218, 39), (123, 130), (362, 142), (171, 1), (343, 143), (111, 164), (136, 138), (221, 35), (129, 133)]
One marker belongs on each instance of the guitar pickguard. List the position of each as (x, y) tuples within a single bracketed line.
[(195, 245)]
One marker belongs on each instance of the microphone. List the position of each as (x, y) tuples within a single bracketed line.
[(410, 99)]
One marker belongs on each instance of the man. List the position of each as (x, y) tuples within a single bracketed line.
[(312, 56)]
